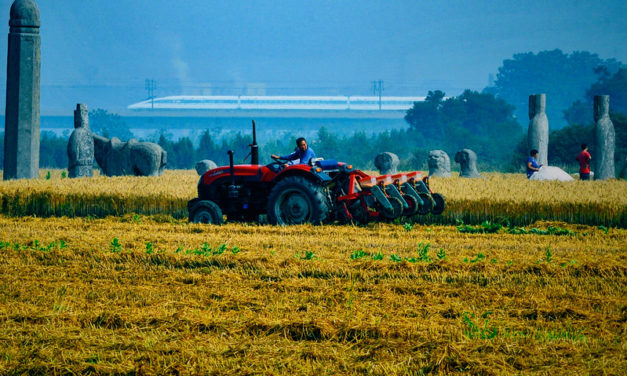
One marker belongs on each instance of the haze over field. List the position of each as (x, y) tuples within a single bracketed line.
[(100, 52)]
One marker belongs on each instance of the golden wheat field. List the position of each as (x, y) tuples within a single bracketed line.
[(492, 198), (105, 276), (143, 295)]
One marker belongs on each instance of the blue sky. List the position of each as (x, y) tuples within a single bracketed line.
[(100, 52)]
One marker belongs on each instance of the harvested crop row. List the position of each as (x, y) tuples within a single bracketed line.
[(134, 295)]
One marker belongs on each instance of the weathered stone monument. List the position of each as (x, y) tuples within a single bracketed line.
[(439, 164), (117, 158), (204, 166), (21, 136), (467, 160), (538, 133), (386, 163), (80, 147), (605, 139)]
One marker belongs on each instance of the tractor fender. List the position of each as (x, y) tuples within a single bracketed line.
[(313, 175)]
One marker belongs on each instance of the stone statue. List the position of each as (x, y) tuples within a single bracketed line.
[(467, 160), (204, 166), (538, 133), (386, 163), (605, 139), (439, 164), (80, 147), (118, 158), (21, 126)]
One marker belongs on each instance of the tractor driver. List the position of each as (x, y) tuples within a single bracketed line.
[(302, 152)]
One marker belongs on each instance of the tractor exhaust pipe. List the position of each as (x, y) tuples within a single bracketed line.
[(254, 148), (232, 189)]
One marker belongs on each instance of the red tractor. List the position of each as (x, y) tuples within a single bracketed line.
[(320, 192)]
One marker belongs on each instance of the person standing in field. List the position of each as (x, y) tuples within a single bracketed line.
[(532, 163), (584, 158)]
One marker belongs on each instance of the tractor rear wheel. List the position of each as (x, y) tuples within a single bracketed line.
[(427, 204), (206, 211), (296, 200), (439, 204)]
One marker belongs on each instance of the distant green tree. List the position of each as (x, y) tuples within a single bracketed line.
[(425, 117), (106, 124), (564, 78), (478, 121), (183, 154), (614, 85), (206, 147), (53, 151)]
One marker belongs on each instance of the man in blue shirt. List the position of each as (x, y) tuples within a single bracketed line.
[(302, 152), (532, 163)]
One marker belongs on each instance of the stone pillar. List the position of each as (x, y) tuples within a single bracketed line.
[(467, 160), (21, 128), (538, 133), (439, 164), (386, 163), (80, 147), (204, 166), (605, 139)]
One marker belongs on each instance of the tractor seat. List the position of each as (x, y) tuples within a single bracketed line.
[(327, 165)]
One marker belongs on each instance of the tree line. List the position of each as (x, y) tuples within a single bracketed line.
[(491, 122)]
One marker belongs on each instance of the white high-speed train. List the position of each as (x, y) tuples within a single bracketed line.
[(307, 103)]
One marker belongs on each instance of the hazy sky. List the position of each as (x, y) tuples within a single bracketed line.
[(101, 51)]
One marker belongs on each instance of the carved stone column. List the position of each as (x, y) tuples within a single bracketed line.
[(21, 136), (605, 139), (538, 133)]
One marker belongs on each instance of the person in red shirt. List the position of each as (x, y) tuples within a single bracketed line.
[(584, 163)]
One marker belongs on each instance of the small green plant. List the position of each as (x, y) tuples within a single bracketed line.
[(137, 218), (48, 175), (549, 256), (474, 331), (309, 255), (395, 258), (441, 254), (205, 250), (480, 257), (63, 174), (604, 229), (149, 248), (486, 227), (220, 249), (378, 256), (116, 247), (359, 254), (235, 250), (408, 226), (423, 252)]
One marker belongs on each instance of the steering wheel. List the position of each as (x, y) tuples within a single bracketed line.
[(280, 161)]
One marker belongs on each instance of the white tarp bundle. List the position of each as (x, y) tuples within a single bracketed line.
[(551, 173)]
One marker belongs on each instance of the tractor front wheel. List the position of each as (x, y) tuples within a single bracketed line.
[(297, 200), (206, 211)]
